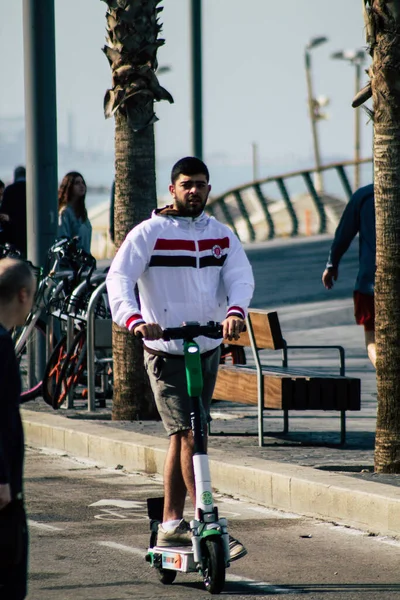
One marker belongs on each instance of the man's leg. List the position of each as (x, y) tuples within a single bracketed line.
[(364, 312), (370, 345), (187, 450), (174, 484)]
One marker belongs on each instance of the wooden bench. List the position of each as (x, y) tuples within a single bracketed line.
[(284, 388)]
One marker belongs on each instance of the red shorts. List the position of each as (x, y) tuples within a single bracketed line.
[(364, 310)]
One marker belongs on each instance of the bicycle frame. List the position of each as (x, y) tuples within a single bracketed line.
[(46, 285)]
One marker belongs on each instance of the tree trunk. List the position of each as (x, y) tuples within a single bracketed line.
[(385, 21), (133, 29), (135, 198)]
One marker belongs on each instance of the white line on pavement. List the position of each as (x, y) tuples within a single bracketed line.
[(123, 548), (261, 586), (44, 526), (120, 503)]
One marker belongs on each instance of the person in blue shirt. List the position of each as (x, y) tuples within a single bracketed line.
[(73, 219), (358, 217)]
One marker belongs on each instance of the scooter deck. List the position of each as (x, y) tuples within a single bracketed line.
[(175, 558)]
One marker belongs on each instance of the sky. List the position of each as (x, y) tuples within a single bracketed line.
[(254, 85)]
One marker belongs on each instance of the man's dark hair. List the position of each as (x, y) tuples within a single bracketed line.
[(190, 165), (2, 184), (15, 274)]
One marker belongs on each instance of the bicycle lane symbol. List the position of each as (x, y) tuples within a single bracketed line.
[(121, 510)]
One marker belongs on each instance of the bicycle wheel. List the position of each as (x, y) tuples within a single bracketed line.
[(21, 335), (72, 369), (52, 373)]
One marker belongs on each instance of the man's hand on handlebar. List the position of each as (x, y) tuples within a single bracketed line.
[(232, 327), (148, 331)]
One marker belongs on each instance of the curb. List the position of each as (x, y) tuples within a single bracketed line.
[(369, 506)]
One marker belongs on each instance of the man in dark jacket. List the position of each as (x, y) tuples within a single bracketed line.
[(14, 207), (17, 288), (358, 217)]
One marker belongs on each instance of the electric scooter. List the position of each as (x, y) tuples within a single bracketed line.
[(209, 553)]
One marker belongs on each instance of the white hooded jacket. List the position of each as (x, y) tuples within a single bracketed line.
[(187, 269)]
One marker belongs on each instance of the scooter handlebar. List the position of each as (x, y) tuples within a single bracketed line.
[(190, 330), (193, 329)]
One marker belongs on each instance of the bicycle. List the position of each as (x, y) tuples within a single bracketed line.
[(53, 283), (66, 370)]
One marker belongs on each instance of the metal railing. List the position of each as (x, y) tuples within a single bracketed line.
[(288, 204)]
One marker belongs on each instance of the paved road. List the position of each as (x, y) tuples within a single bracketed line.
[(289, 272), (89, 533)]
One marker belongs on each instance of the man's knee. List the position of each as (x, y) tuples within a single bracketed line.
[(186, 439)]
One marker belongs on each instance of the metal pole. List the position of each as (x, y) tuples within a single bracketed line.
[(90, 349), (41, 126), (41, 133), (357, 130), (197, 85), (318, 175), (254, 147)]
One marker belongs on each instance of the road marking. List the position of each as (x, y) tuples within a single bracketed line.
[(44, 526), (261, 586), (123, 548), (120, 503)]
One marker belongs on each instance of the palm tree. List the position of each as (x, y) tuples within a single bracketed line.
[(383, 36), (132, 42)]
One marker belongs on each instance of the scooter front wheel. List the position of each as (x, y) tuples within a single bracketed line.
[(214, 565), (167, 576)]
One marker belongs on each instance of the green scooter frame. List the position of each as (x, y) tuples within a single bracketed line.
[(209, 553)]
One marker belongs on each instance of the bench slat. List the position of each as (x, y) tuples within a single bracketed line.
[(267, 331), (287, 391)]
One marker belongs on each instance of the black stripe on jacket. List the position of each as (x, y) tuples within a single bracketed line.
[(186, 261)]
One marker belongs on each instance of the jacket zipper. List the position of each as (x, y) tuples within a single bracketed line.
[(196, 243)]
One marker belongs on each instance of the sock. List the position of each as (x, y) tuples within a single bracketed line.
[(170, 525)]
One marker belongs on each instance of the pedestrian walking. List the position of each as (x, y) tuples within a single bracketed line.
[(188, 267), (17, 288), (358, 218), (73, 219)]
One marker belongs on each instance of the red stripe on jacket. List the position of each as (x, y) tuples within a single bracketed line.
[(164, 244), (134, 318)]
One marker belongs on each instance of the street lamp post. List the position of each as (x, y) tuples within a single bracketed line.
[(356, 58), (313, 108), (197, 78)]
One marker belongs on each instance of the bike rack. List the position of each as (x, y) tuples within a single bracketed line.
[(71, 330), (99, 326)]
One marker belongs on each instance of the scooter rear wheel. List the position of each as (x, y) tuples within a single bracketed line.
[(167, 576), (214, 565)]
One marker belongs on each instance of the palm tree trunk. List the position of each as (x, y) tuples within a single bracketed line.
[(135, 197), (133, 29), (384, 22)]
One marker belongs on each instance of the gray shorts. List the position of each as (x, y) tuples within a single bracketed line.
[(168, 381)]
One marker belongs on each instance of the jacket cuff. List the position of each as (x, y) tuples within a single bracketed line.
[(236, 311), (133, 321)]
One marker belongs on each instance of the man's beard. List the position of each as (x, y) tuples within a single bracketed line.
[(187, 210)]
